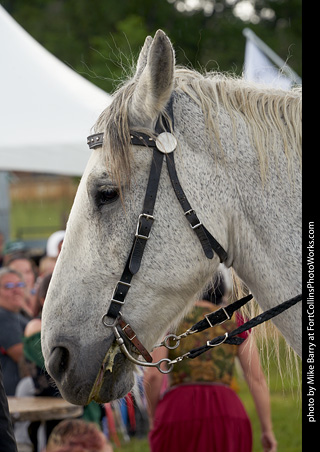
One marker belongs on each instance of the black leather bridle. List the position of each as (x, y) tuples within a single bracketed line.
[(163, 145)]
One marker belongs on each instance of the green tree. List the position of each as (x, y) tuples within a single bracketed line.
[(101, 39)]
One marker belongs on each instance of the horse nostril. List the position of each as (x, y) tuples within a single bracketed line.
[(58, 363)]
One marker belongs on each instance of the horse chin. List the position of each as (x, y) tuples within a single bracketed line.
[(113, 390), (114, 380)]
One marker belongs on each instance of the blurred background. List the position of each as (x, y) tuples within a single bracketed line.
[(60, 62), (100, 41)]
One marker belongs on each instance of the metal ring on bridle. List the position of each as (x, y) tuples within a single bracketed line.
[(109, 325), (171, 337)]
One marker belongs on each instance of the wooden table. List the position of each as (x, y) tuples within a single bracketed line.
[(41, 409)]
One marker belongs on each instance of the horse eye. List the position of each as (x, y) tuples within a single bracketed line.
[(106, 196)]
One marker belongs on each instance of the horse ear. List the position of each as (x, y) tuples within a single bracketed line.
[(155, 83), (143, 57)]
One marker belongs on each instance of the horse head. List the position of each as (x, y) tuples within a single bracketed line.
[(219, 131), (99, 235)]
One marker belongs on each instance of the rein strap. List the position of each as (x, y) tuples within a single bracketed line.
[(229, 338), (221, 315)]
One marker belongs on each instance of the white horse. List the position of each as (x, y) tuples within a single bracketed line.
[(239, 163)]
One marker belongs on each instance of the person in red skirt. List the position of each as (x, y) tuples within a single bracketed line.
[(200, 411)]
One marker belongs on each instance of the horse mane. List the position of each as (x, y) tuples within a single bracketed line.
[(268, 339), (270, 115)]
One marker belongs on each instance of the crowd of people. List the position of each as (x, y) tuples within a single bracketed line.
[(23, 289), (195, 408), (23, 286), (22, 292)]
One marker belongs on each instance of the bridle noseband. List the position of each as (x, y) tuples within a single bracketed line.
[(163, 145)]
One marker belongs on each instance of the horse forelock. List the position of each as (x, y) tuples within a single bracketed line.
[(270, 114), (114, 123)]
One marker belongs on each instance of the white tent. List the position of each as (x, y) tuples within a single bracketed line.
[(46, 108)]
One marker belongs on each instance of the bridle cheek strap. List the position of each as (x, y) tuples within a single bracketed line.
[(208, 242), (142, 234)]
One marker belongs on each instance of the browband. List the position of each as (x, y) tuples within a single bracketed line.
[(137, 139)]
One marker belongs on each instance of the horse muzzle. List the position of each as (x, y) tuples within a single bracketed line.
[(100, 376)]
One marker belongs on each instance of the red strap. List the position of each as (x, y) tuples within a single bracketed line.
[(111, 424), (131, 413)]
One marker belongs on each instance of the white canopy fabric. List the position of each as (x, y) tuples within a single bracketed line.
[(258, 68), (46, 109)]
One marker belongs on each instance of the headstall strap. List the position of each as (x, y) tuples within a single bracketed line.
[(208, 242), (142, 234), (146, 218)]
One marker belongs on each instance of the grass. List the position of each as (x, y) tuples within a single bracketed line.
[(135, 445), (38, 219)]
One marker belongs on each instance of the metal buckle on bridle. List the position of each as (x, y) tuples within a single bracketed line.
[(189, 212), (225, 313), (121, 302), (124, 330), (140, 236), (114, 300)]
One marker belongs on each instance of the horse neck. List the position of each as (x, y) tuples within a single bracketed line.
[(264, 225)]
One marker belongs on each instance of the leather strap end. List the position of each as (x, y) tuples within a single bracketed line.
[(131, 335), (205, 242)]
